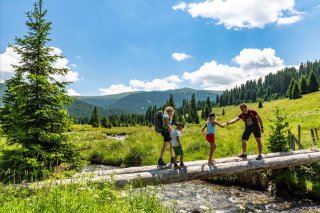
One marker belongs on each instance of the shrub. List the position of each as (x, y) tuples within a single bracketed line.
[(279, 127)]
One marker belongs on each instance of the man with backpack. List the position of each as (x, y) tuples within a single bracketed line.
[(163, 125), (253, 124)]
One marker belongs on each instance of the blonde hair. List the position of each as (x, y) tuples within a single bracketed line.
[(169, 109)]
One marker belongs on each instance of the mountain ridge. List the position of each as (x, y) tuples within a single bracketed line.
[(130, 102)]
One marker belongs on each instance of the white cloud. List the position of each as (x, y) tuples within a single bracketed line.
[(252, 64), (9, 57), (238, 14), (256, 58), (69, 77), (73, 65), (180, 56), (180, 6), (72, 92), (289, 20), (212, 75), (170, 82), (116, 89)]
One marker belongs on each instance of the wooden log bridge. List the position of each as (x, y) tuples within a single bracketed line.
[(199, 169)]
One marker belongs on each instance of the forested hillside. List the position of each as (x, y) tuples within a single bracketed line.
[(275, 86)]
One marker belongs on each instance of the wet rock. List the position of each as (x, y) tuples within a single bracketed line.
[(201, 196)]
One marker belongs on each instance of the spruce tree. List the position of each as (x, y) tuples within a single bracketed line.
[(105, 122), (313, 83), (193, 109), (296, 92), (260, 104), (203, 115), (34, 116), (171, 102), (304, 85), (278, 135), (208, 102), (289, 91), (207, 111), (94, 121)]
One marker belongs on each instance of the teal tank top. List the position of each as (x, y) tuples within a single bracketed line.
[(211, 128)]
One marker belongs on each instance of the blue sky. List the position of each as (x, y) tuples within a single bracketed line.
[(115, 46)]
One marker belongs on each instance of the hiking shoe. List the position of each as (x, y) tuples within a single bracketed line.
[(259, 157), (172, 159), (182, 165), (243, 155), (161, 162), (176, 166)]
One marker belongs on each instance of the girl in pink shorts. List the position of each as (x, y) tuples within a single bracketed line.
[(211, 129)]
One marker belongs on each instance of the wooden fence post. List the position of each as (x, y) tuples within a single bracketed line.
[(293, 142), (313, 137), (299, 133)]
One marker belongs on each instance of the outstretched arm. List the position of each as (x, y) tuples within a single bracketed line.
[(233, 120), (221, 125)]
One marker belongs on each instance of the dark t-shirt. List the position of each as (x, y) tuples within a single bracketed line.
[(250, 119)]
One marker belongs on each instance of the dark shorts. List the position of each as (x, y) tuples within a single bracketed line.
[(166, 135), (210, 138), (248, 130), (177, 150)]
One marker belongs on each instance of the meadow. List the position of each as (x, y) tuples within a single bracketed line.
[(142, 146)]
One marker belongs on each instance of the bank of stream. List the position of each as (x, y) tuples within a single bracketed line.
[(204, 196)]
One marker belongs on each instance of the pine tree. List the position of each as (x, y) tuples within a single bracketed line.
[(34, 116), (193, 109), (207, 111), (203, 115), (94, 121), (223, 112), (304, 85), (196, 119), (289, 91), (260, 104), (279, 128), (296, 92), (208, 102), (105, 122), (313, 83), (171, 102)]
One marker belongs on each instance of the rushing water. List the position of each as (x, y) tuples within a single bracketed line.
[(202, 196), (118, 137)]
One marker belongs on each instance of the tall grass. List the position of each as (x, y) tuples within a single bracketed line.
[(82, 198), (143, 144), (142, 147)]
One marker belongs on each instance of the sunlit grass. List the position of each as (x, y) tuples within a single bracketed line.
[(82, 198), (143, 144)]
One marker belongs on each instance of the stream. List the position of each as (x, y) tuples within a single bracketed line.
[(202, 196)]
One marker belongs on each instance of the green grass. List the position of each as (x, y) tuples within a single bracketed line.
[(143, 145), (82, 198)]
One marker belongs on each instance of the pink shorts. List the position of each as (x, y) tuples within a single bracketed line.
[(210, 138)]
